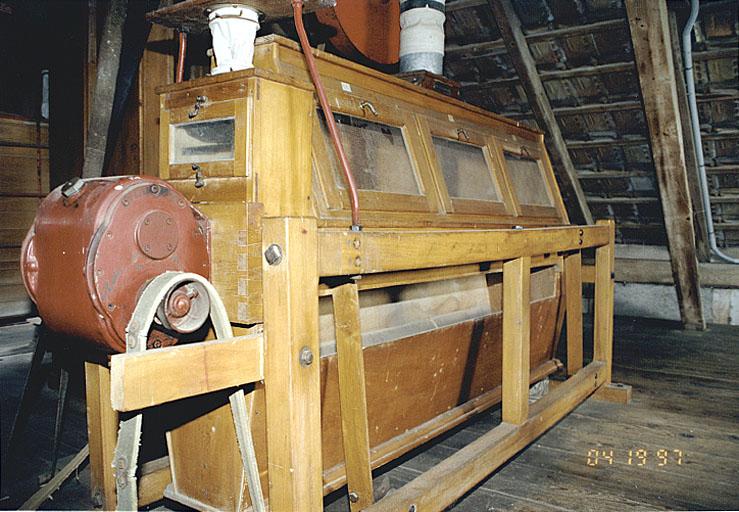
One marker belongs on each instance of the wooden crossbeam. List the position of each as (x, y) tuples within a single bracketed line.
[(154, 377), (371, 251), (648, 20), (518, 50)]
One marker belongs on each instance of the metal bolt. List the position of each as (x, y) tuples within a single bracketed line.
[(412, 508), (306, 356), (154, 189), (72, 187), (353, 497), (273, 254)]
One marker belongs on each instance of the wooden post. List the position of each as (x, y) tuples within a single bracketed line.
[(292, 368), (518, 50), (648, 21), (353, 397), (603, 328), (516, 338), (573, 300), (102, 432)]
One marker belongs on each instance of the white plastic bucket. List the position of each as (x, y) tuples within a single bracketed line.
[(234, 29)]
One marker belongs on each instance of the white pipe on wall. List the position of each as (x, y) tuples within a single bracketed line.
[(696, 131), (422, 36)]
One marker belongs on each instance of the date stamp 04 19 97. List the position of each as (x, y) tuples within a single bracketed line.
[(635, 457)]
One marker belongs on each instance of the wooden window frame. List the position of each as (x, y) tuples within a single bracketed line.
[(337, 198), (235, 109), (532, 150), (475, 136)]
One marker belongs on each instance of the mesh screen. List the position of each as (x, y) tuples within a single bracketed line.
[(527, 180), (377, 155), (465, 170)]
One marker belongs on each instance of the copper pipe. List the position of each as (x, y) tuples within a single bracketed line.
[(181, 57), (328, 113)]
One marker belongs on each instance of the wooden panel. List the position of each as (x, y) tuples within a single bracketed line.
[(283, 121), (353, 396), (650, 36), (516, 339), (19, 132), (459, 363), (154, 377)]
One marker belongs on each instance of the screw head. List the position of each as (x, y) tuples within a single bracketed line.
[(353, 497), (412, 508), (273, 254), (306, 356)]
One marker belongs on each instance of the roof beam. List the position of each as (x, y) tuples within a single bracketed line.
[(512, 33), (650, 36), (473, 50)]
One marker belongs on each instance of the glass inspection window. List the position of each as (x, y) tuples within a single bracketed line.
[(202, 141), (527, 178), (377, 154), (465, 170)]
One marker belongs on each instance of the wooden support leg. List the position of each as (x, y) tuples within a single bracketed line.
[(102, 431), (603, 329), (516, 334), (353, 398), (573, 299), (292, 369)]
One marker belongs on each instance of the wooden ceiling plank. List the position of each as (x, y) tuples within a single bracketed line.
[(512, 33), (650, 35)]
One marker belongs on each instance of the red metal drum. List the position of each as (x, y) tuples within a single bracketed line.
[(96, 243)]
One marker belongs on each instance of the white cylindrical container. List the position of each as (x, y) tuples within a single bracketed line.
[(422, 35), (234, 29)]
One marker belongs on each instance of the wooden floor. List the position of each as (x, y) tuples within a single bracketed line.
[(686, 401)]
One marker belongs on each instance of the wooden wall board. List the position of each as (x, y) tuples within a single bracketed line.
[(24, 179)]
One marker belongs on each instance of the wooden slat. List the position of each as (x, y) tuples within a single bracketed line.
[(573, 299), (516, 339), (155, 377), (353, 396), (652, 49), (519, 52), (389, 251), (293, 394), (440, 486)]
